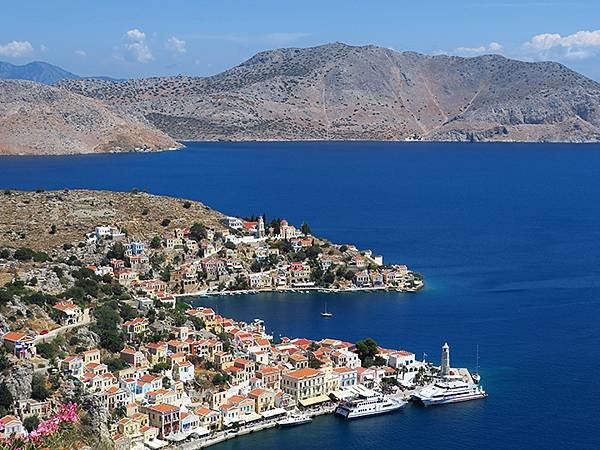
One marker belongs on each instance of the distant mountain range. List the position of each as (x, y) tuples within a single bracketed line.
[(41, 72), (337, 91), (35, 71)]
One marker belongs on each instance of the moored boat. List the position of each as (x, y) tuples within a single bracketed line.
[(326, 313), (295, 419), (444, 392), (369, 406)]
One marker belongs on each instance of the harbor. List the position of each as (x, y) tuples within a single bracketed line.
[(488, 278), (445, 385)]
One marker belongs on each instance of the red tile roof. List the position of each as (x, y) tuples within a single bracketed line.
[(303, 373)]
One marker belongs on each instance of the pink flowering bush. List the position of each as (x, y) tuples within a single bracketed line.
[(47, 434)]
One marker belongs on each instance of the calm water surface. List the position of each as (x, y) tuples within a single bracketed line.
[(507, 236)]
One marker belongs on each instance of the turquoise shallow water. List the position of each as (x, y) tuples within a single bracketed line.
[(507, 236)]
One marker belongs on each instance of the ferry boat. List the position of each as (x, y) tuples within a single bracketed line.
[(444, 392), (369, 406), (293, 420)]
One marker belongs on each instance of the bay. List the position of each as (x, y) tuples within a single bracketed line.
[(506, 235)]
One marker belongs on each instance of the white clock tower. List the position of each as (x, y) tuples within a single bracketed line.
[(445, 359)]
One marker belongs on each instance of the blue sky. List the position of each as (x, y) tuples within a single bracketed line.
[(130, 38)]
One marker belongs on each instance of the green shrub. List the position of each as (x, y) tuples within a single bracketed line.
[(23, 254), (46, 350)]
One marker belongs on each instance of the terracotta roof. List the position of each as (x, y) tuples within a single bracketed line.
[(112, 390), (227, 406), (8, 420), (301, 342), (249, 225), (163, 408), (147, 379), (344, 370), (157, 392), (257, 392), (156, 345), (65, 306), (87, 352), (183, 364), (88, 376), (71, 358), (303, 373), (242, 361), (13, 336), (203, 411), (135, 321)]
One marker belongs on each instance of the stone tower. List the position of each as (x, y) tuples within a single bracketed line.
[(260, 229), (445, 359)]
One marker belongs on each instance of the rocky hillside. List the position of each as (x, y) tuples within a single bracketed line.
[(38, 119), (337, 91), (26, 218)]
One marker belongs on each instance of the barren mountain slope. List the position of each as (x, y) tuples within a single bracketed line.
[(39, 119), (336, 91)]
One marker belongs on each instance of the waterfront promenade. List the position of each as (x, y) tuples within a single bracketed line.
[(225, 435)]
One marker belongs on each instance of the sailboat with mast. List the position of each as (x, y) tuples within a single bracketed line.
[(325, 313)]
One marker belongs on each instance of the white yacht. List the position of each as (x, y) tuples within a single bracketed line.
[(449, 391), (369, 406), (295, 419)]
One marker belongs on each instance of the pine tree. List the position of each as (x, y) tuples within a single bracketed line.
[(6, 399)]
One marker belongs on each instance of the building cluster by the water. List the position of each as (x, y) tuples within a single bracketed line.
[(244, 257), (213, 378), (103, 316)]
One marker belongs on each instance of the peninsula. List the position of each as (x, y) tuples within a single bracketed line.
[(98, 348), (166, 247)]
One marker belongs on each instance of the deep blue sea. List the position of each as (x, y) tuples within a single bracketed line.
[(506, 235)]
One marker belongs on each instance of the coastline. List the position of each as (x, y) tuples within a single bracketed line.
[(299, 290), (226, 435), (438, 141), (183, 144)]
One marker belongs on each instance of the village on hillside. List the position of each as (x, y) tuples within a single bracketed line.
[(245, 256), (103, 323)]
